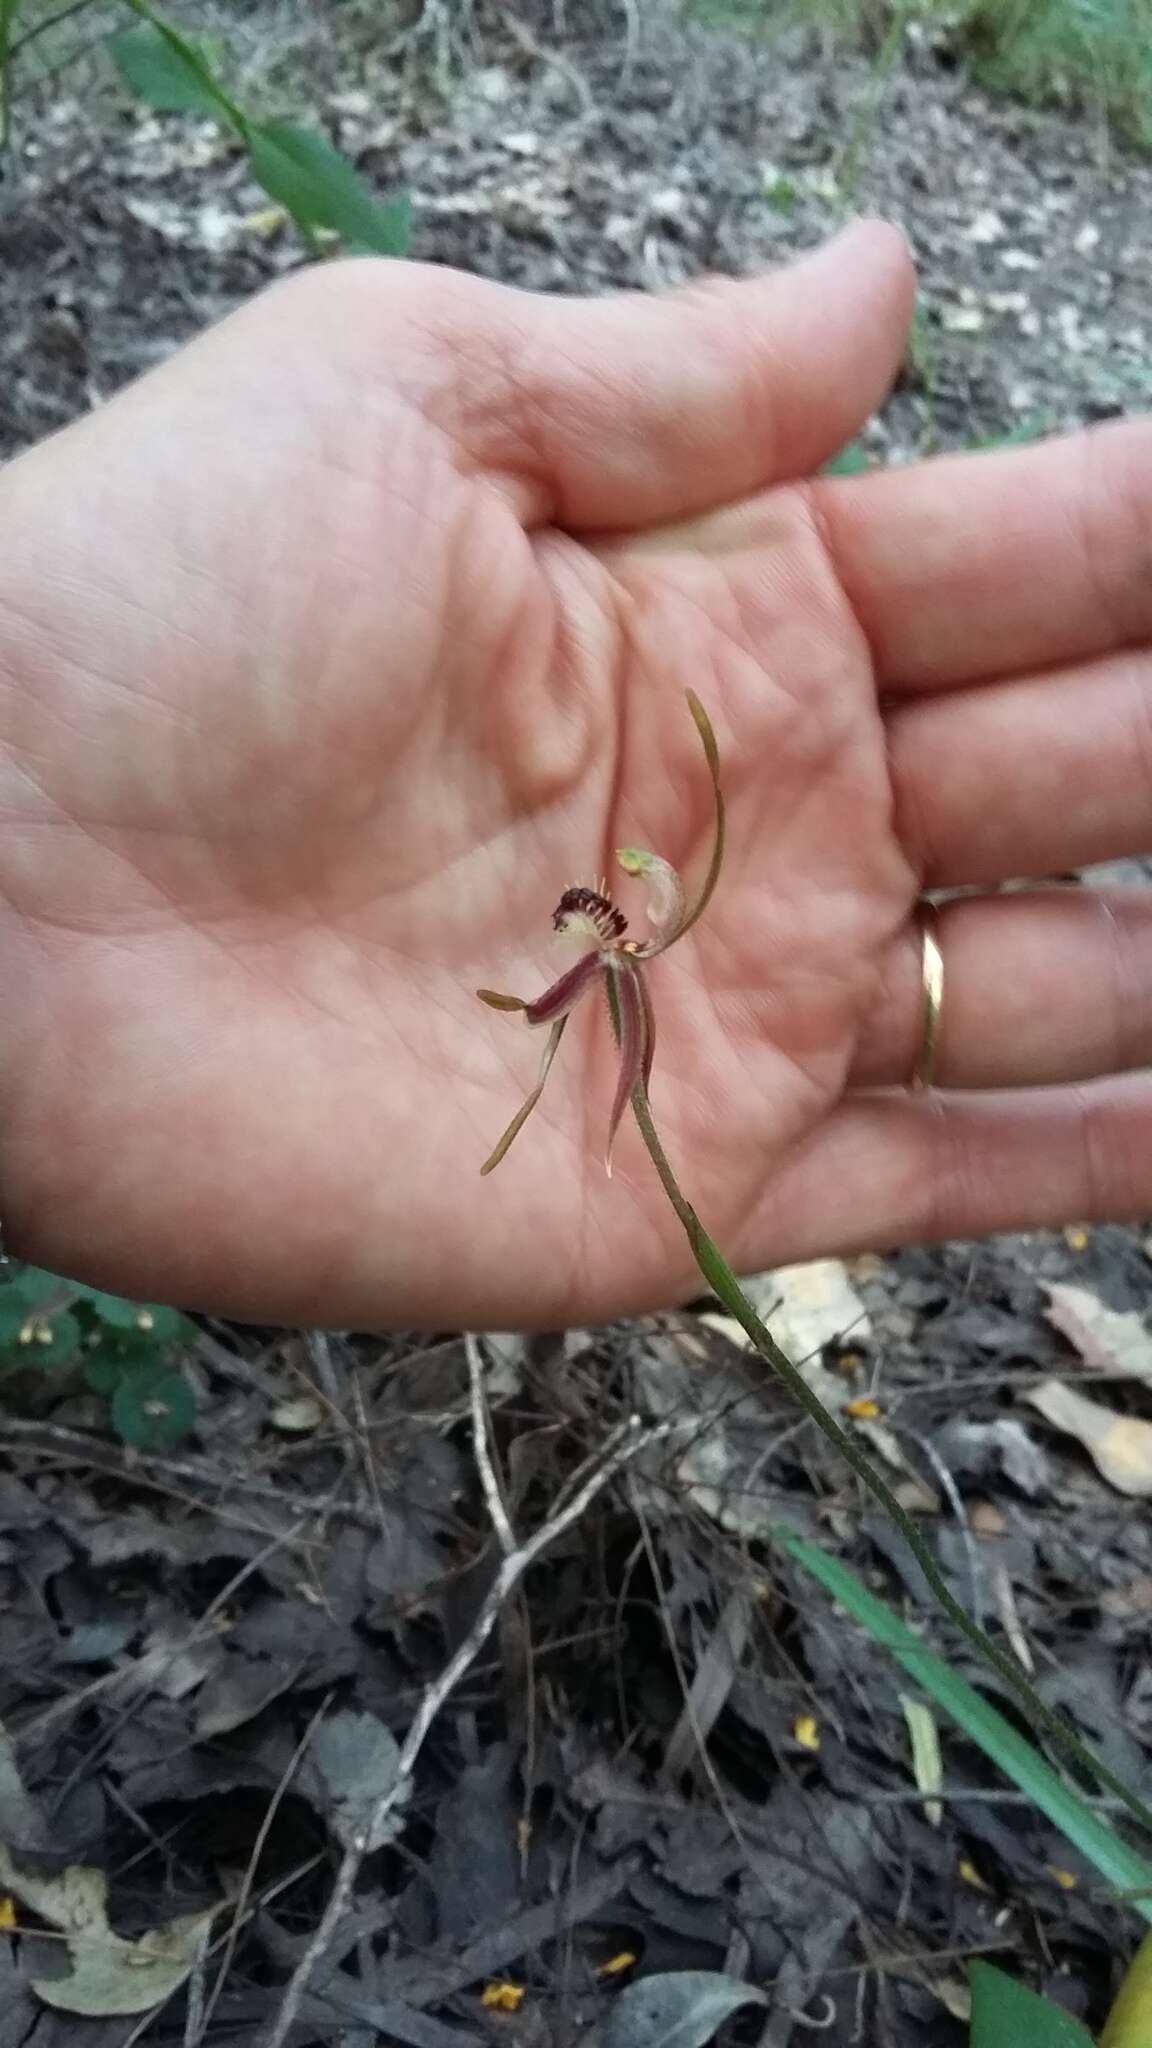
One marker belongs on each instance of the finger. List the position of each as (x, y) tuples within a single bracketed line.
[(976, 566), (1039, 987), (632, 411), (1034, 777), (887, 1170)]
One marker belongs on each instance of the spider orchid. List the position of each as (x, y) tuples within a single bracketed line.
[(617, 961)]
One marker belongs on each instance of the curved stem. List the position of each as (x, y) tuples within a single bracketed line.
[(724, 1284)]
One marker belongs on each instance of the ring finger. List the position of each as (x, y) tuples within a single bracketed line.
[(1040, 986)]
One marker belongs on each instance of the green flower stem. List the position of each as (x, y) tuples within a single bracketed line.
[(724, 1284)]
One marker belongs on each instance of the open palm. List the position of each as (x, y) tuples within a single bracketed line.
[(331, 653)]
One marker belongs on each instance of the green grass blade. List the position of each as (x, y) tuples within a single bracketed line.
[(1119, 1864)]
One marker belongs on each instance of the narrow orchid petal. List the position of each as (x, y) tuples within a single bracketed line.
[(667, 903), (669, 911), (496, 1001), (559, 999), (633, 1025), (524, 1112), (703, 726)]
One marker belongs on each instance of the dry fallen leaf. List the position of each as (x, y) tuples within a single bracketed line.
[(1105, 1338), (109, 1976), (927, 1764), (954, 1996), (809, 1306), (297, 1416), (1120, 1446), (1124, 1602), (986, 1519)]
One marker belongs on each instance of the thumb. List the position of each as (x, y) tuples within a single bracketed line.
[(634, 411)]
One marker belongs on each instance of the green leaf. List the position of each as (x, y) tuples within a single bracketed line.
[(168, 72), (1006, 2014), (148, 1319), (163, 1325), (103, 1371), (851, 461), (53, 1344), (13, 1315), (319, 188), (34, 1286), (1121, 1865), (150, 1411), (112, 1308)]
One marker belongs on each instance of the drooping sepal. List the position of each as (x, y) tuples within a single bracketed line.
[(525, 1110), (633, 1019), (558, 1000)]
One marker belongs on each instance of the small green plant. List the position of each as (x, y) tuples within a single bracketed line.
[(304, 173), (123, 1350), (781, 193)]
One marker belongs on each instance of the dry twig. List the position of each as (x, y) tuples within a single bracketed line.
[(596, 1473)]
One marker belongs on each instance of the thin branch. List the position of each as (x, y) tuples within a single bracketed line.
[(622, 1445), (482, 1447)]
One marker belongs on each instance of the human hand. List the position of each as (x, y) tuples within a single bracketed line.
[(332, 651)]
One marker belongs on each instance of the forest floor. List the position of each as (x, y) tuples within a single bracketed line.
[(670, 1755)]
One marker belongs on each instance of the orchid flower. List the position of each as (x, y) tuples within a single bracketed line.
[(589, 913), (619, 962)]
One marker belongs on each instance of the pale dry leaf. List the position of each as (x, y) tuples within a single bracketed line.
[(298, 1416), (927, 1764), (72, 1900), (986, 1519), (954, 1996), (1120, 1446), (1128, 1601), (112, 1977), (1106, 1338), (674, 2009), (351, 1763), (109, 1976), (809, 1306)]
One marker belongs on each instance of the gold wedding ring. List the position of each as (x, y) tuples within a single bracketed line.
[(932, 981)]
